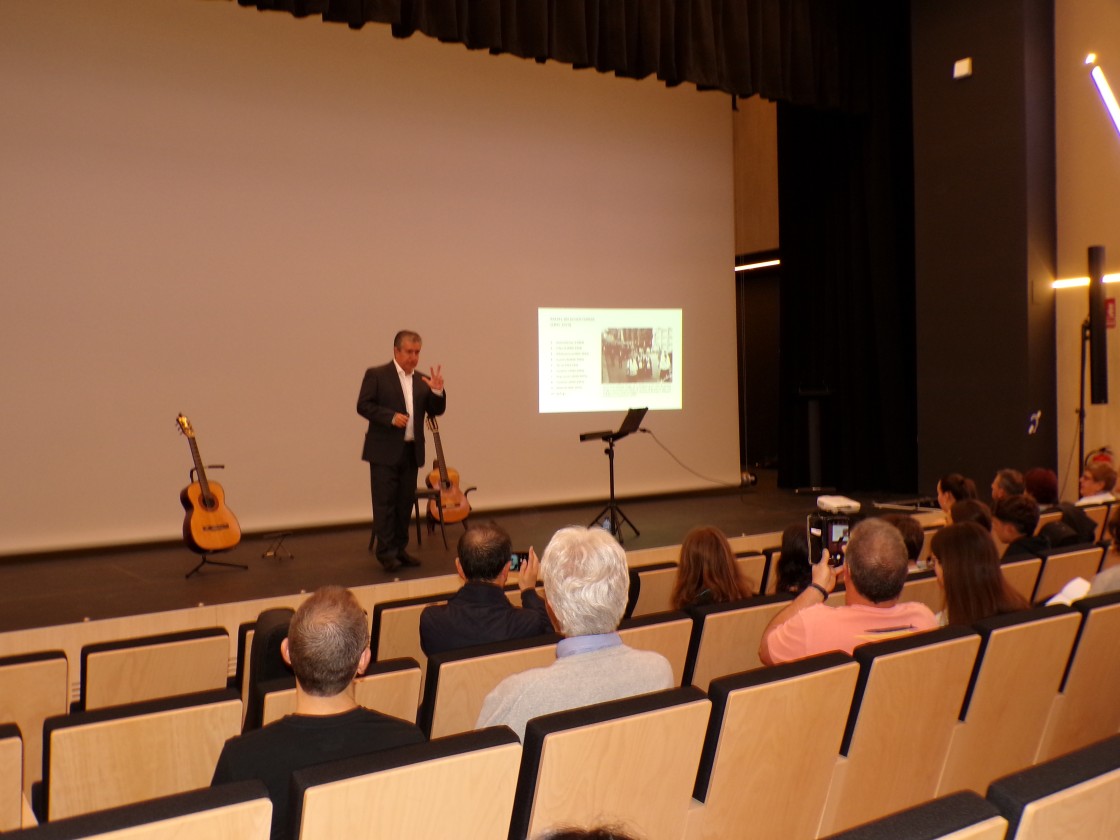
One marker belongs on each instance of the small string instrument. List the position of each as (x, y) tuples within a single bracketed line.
[(456, 508), (209, 524)]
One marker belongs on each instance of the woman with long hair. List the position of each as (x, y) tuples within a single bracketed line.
[(708, 573), (967, 565)]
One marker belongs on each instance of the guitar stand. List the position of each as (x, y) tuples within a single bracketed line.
[(205, 561), (276, 548)]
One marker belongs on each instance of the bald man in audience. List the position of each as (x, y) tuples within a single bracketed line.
[(874, 570), (327, 647), (586, 583)]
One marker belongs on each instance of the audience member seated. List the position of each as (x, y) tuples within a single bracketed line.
[(585, 584), (327, 647), (1042, 486), (912, 532), (1096, 484), (967, 566), (794, 569), (954, 487), (875, 568), (1014, 521), (971, 510), (1007, 482), (480, 612), (707, 572)]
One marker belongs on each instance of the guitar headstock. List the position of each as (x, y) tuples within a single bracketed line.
[(432, 425), (185, 426)]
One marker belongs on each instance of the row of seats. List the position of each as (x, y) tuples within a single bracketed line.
[(770, 749)]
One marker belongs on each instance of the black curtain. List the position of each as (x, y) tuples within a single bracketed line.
[(808, 52), (846, 224)]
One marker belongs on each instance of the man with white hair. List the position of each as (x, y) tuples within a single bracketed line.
[(585, 583)]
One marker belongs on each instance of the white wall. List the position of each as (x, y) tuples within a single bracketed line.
[(1088, 185), (211, 210)]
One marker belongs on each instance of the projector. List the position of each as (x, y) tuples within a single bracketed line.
[(837, 504)]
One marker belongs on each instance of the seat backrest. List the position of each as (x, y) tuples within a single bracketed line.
[(33, 687), (1076, 795), (150, 667), (1099, 514), (964, 815), (11, 776), (630, 761), (902, 717), (391, 687), (1047, 517), (458, 681), (265, 661), (1018, 672), (238, 811), (1060, 567), (1022, 575), (761, 764), (773, 558), (395, 633), (923, 588), (754, 567), (746, 543), (667, 633), (1087, 709), (726, 637), (124, 754), (656, 592), (458, 786)]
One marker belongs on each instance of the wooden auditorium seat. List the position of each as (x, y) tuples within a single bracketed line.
[(902, 717), (1022, 575), (770, 749), (667, 633), (459, 786), (656, 591), (630, 761), (1087, 708), (395, 633), (1099, 514), (458, 681), (1061, 566), (924, 588), (33, 687), (726, 637), (11, 777), (773, 558), (1075, 796), (1018, 672), (124, 754), (391, 687), (264, 663), (151, 667), (1047, 517), (755, 568), (755, 543), (239, 811), (964, 815)]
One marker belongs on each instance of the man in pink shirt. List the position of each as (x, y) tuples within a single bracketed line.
[(875, 567)]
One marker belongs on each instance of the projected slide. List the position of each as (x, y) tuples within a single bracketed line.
[(609, 359)]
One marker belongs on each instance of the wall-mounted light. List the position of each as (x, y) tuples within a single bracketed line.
[(1105, 90), (757, 265)]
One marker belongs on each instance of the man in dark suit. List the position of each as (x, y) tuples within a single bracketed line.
[(395, 399), (480, 612)]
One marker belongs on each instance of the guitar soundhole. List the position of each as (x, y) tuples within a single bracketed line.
[(209, 503)]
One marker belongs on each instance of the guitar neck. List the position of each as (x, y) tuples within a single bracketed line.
[(442, 464), (202, 482)]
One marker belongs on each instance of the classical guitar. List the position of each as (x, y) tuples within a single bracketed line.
[(456, 508), (209, 525)]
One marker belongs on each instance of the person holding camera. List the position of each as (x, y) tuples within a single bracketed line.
[(874, 568), (480, 612)]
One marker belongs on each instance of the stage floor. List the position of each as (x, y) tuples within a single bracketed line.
[(44, 590)]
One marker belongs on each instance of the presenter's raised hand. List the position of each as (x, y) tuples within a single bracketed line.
[(435, 378)]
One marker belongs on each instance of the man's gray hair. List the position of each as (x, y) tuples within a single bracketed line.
[(876, 560), (586, 580)]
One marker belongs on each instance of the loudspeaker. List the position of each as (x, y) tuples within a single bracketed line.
[(1098, 332)]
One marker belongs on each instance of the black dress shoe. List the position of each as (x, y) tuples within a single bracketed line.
[(407, 559), (389, 563)]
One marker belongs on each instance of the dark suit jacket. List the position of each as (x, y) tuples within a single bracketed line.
[(380, 398), (1025, 547), (478, 614)]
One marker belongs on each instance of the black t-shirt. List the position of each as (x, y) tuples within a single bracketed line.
[(292, 743)]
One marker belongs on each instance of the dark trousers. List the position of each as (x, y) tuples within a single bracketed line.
[(393, 489)]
